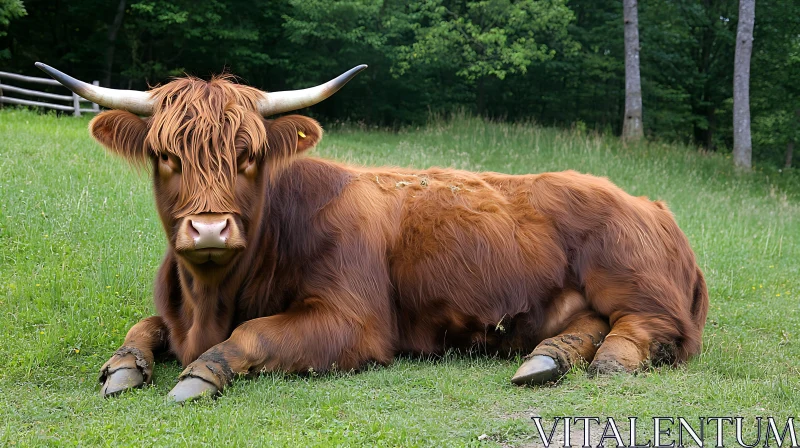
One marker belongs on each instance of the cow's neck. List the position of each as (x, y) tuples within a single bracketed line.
[(295, 207), (265, 278), (201, 312), (212, 304), (291, 235)]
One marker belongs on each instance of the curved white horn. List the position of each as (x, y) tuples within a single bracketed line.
[(278, 102), (133, 101)]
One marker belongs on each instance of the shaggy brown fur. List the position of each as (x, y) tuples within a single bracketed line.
[(343, 265), (203, 124)]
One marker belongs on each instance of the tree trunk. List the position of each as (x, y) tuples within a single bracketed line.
[(113, 29), (632, 128), (742, 143)]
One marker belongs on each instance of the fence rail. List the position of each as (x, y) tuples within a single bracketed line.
[(76, 100)]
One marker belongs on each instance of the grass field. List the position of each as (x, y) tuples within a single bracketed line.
[(80, 243)]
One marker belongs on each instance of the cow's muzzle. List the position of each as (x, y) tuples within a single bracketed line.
[(209, 237)]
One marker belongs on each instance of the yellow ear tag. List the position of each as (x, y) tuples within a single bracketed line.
[(300, 133)]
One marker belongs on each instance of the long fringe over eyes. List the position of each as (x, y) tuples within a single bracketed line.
[(203, 123)]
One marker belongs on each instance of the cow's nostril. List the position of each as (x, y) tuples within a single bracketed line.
[(225, 230), (194, 232)]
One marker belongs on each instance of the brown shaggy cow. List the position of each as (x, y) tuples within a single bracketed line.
[(282, 262)]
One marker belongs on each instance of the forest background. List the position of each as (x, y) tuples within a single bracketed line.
[(553, 62)]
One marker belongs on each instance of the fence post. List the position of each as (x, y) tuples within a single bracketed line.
[(76, 103), (95, 106)]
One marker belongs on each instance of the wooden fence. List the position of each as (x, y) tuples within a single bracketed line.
[(76, 101)]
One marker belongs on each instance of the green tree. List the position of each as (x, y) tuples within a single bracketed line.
[(481, 39), (775, 91), (9, 9), (569, 88), (556, 62), (168, 38), (687, 66), (322, 39)]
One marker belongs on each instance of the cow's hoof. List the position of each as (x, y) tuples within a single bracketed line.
[(538, 369), (192, 388), (121, 380), (606, 367)]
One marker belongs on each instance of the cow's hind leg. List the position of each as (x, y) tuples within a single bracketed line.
[(311, 337), (132, 365), (628, 345), (575, 345)]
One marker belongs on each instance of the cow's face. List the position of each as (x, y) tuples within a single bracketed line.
[(211, 154)]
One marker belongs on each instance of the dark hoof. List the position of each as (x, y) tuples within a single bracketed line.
[(121, 380), (192, 388), (605, 367), (537, 370)]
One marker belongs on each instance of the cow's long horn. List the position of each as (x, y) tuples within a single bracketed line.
[(278, 102), (133, 101)]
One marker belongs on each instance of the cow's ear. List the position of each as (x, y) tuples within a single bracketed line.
[(122, 133), (290, 135)]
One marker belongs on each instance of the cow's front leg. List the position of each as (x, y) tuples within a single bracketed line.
[(312, 336), (132, 365)]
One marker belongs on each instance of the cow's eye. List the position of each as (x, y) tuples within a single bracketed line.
[(246, 160), (171, 162)]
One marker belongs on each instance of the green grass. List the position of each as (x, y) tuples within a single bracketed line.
[(80, 243)]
